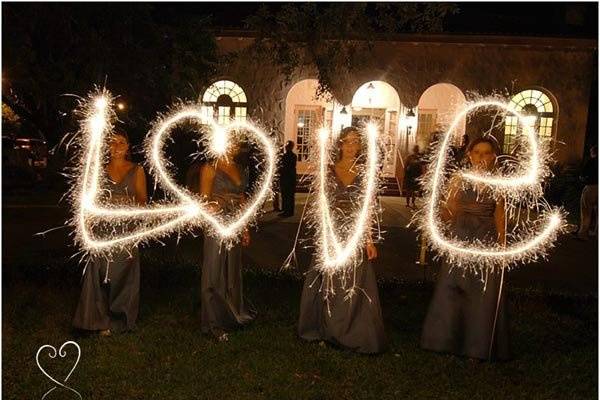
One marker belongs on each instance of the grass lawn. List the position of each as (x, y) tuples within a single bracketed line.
[(554, 341)]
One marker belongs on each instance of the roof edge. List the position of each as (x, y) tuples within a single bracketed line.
[(446, 38)]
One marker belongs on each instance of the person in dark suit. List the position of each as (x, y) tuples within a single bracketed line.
[(588, 221), (287, 180)]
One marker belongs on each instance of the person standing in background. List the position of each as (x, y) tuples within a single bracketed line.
[(589, 196), (276, 187), (287, 180), (414, 171)]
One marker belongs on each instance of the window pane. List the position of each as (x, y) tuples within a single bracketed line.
[(209, 96), (223, 115), (544, 98), (228, 88), (517, 98), (540, 108), (206, 112), (240, 114), (305, 126), (544, 107)]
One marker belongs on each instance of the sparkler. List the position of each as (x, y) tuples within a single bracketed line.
[(336, 254), (185, 211), (532, 239), (220, 138)]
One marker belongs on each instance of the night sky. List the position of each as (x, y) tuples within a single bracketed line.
[(562, 19)]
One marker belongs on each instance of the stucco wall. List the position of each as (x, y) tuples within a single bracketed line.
[(563, 69)]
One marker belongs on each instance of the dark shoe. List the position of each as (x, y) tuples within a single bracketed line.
[(285, 215)]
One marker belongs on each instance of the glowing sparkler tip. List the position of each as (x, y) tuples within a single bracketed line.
[(86, 201), (529, 121), (97, 123), (220, 139), (101, 103), (555, 219), (193, 209), (372, 129), (323, 134)]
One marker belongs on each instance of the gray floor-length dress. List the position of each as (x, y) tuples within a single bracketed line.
[(112, 302), (221, 292), (355, 323), (461, 315)]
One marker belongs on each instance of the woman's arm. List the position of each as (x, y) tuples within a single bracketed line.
[(141, 194), (207, 177), (246, 231), (371, 249), (500, 221), (448, 209)]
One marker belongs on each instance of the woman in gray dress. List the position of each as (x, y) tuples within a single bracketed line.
[(110, 293), (462, 313), (222, 303), (354, 323)]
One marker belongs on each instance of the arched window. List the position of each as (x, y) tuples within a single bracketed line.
[(225, 100), (533, 103)]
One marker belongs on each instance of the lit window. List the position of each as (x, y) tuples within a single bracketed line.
[(225, 100), (529, 102), (206, 111), (223, 116), (305, 126)]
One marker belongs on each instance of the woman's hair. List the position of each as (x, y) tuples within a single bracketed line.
[(485, 139), (343, 134), (123, 134), (242, 151)]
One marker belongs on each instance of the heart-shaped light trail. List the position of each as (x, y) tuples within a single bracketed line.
[(219, 139), (52, 353), (523, 185), (154, 221), (334, 254)]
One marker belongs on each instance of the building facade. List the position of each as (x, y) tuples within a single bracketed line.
[(413, 86)]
